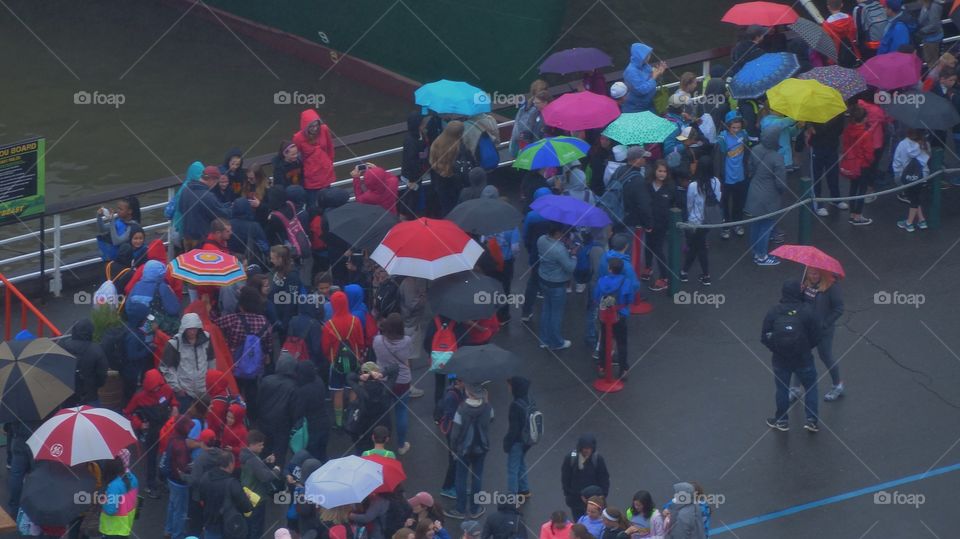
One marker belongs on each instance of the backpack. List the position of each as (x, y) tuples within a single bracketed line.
[(583, 271), (912, 172), (297, 347), (353, 417), (317, 242), (168, 323), (846, 57), (874, 20), (345, 361), (248, 362), (443, 345), (297, 239), (107, 293), (532, 431), (112, 344), (612, 199), (474, 441), (387, 298), (787, 338), (443, 421), (712, 214), (234, 523), (487, 153)]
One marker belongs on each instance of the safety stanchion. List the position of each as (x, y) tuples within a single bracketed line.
[(936, 163), (640, 305), (805, 233), (608, 384), (674, 246)]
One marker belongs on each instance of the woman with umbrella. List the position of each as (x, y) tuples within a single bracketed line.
[(528, 124), (821, 291)]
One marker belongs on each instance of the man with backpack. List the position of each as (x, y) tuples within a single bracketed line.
[(249, 336), (153, 291), (790, 331), (898, 31), (582, 468), (470, 439), (444, 411), (625, 198), (615, 291), (871, 19), (186, 359), (343, 344), (521, 434), (224, 501)]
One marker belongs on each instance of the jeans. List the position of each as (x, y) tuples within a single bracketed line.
[(20, 465), (760, 237), (653, 251), (469, 469), (176, 522), (590, 328), (533, 286), (824, 164), (697, 250), (517, 469), (403, 419), (808, 377), (620, 342), (733, 197), (506, 277), (551, 316), (825, 351), (255, 521)]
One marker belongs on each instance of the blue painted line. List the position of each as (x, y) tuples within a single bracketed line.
[(834, 499)]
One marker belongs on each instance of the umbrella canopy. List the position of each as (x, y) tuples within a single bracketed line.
[(551, 152), (202, 267), (343, 481), (760, 13), (575, 60), (570, 211), (806, 100), (481, 363), (465, 296), (892, 70), (759, 75), (809, 256), (51, 492), (427, 248), (633, 128), (581, 110), (920, 110), (849, 82), (485, 216), (361, 225), (816, 37), (452, 97), (81, 434), (393, 473), (36, 376)]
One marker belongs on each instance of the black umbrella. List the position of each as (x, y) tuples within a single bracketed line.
[(361, 225), (921, 110), (54, 495), (816, 37), (466, 296), (481, 363), (485, 216), (36, 376)]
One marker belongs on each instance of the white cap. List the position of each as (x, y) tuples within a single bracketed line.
[(618, 90), (620, 153)]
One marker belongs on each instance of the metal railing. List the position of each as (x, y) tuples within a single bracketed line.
[(11, 292)]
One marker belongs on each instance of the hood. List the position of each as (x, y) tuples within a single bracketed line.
[(639, 52), (194, 171), (183, 424), (306, 372), (308, 467), (340, 303), (587, 440), (770, 138), (489, 191), (217, 383), (152, 379), (307, 117), (477, 177), (82, 330), (333, 198), (577, 180), (297, 195), (541, 192), (791, 292), (190, 321), (377, 179), (413, 123), (154, 271), (276, 198), (231, 153), (287, 366), (136, 312), (683, 488), (124, 255), (520, 386), (239, 412), (718, 71), (355, 298), (716, 86), (242, 209), (157, 251)]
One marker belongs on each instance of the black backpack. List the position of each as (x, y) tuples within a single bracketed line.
[(112, 344), (443, 421), (234, 523), (788, 338), (474, 440), (912, 172), (387, 300)]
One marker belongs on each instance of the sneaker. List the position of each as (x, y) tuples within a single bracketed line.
[(781, 425), (811, 426), (449, 493), (906, 226), (705, 280), (767, 261), (843, 205), (543, 345), (725, 234), (870, 199), (526, 318), (861, 221), (526, 494), (539, 295), (658, 285), (569, 290), (402, 450), (922, 225), (740, 231), (566, 344), (647, 273), (415, 392), (834, 393), (479, 513), (595, 354), (795, 393), (903, 198), (822, 212), (453, 513), (152, 494), (580, 288), (684, 277)]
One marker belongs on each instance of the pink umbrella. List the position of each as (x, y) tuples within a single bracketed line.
[(581, 110), (761, 13), (811, 257), (892, 70)]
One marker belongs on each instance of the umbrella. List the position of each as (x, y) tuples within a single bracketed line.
[(575, 60), (551, 152), (361, 225), (36, 376), (54, 495), (581, 110), (760, 13), (202, 267), (466, 296), (892, 70), (427, 248), (452, 97), (633, 128), (343, 481), (485, 216), (81, 434), (806, 100), (816, 37), (809, 256), (759, 75), (570, 211), (920, 110), (481, 363), (393, 473), (849, 82)]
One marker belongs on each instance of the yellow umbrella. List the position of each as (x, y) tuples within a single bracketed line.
[(806, 100)]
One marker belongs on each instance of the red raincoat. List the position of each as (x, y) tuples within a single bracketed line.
[(317, 156)]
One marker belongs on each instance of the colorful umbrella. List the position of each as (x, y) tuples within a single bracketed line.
[(760, 13), (809, 256), (82, 434), (201, 267), (570, 211), (485, 216), (393, 473), (361, 225), (763, 73), (465, 296), (575, 60), (343, 481), (920, 110), (551, 152), (635, 128), (581, 110), (452, 97), (806, 100), (891, 70), (427, 248), (54, 495), (816, 37), (847, 81), (36, 376)]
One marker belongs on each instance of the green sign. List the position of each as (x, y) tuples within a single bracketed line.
[(22, 186)]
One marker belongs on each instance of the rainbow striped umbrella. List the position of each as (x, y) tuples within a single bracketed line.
[(202, 267), (551, 152)]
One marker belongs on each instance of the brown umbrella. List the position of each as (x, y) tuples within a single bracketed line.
[(36, 376)]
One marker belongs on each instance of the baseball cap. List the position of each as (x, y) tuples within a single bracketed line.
[(618, 90), (471, 528), (637, 152), (619, 153), (207, 436), (421, 498), (684, 133), (369, 367), (211, 172)]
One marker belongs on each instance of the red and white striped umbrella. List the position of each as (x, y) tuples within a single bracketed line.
[(427, 248), (82, 434)]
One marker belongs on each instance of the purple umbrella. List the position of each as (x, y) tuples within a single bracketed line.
[(570, 211), (575, 60), (891, 70)]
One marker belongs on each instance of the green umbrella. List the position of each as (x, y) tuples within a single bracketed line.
[(551, 152), (634, 128)]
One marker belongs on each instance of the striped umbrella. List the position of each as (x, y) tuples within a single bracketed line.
[(202, 267), (36, 376), (427, 248), (551, 152), (634, 128), (82, 434)]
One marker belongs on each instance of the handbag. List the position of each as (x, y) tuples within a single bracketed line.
[(299, 437)]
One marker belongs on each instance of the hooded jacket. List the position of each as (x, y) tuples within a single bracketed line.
[(155, 392), (155, 251), (185, 365), (194, 171), (686, 520), (317, 156), (792, 300), (213, 488), (382, 189), (477, 181), (358, 307), (286, 172), (506, 523), (471, 412), (199, 206), (307, 325), (153, 283), (342, 325), (574, 476), (769, 179), (310, 400), (91, 370), (247, 234), (856, 149), (235, 436), (517, 415), (639, 78), (178, 450), (276, 397), (414, 162)]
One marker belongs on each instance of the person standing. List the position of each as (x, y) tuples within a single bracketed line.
[(186, 359), (200, 206), (449, 162), (315, 147), (662, 199), (582, 468), (556, 266), (822, 293), (221, 495), (277, 406), (641, 78), (703, 208), (930, 30), (120, 510), (763, 196), (534, 226), (92, 366), (730, 165), (856, 161), (393, 350), (513, 444), (615, 291), (911, 161), (528, 126), (470, 439)]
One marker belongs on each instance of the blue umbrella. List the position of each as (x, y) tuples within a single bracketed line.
[(452, 97), (758, 76), (551, 152)]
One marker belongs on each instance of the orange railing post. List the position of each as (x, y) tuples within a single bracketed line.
[(26, 307)]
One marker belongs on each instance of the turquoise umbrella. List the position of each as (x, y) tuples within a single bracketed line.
[(551, 152), (452, 97), (634, 128)]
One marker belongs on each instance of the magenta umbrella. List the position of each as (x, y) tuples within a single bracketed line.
[(581, 110), (892, 70)]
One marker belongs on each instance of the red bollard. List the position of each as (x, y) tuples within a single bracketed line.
[(608, 384), (639, 305)]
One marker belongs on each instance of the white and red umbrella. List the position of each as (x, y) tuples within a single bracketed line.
[(82, 434), (427, 248)]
